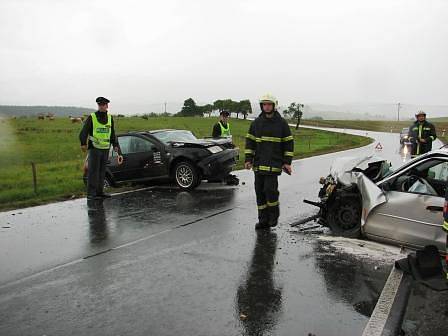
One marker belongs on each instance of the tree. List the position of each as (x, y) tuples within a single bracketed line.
[(294, 112), (245, 107), (208, 108), (218, 105), (190, 109)]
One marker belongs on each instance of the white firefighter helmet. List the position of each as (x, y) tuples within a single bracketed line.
[(421, 112), (269, 98)]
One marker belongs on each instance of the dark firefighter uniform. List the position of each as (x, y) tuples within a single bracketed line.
[(269, 145), (99, 134), (421, 130)]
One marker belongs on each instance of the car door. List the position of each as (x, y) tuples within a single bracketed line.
[(137, 152), (411, 217), (156, 165)]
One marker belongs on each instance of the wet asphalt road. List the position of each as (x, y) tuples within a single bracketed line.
[(163, 262)]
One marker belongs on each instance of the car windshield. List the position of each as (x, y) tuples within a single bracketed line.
[(174, 136)]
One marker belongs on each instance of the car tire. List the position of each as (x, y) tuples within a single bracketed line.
[(107, 183), (344, 216), (186, 175)]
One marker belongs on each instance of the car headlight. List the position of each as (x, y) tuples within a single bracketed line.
[(214, 149)]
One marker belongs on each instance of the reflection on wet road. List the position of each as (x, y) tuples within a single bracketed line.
[(164, 262), (259, 299)]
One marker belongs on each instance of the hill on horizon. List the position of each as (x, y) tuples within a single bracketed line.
[(58, 111)]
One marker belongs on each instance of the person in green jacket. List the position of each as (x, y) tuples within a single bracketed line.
[(222, 127), (96, 137)]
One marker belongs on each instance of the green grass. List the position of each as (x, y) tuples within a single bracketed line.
[(380, 126), (54, 148)]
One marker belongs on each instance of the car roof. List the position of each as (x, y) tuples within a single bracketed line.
[(151, 132)]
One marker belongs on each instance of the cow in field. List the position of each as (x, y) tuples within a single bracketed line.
[(76, 119)]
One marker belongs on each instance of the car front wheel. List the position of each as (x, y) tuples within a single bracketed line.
[(186, 175), (344, 216)]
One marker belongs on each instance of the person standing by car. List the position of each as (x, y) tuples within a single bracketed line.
[(269, 150), (421, 135), (96, 137), (222, 127)]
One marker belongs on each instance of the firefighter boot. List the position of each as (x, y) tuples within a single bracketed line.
[(263, 220), (273, 215)]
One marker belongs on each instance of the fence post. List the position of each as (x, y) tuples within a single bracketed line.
[(33, 168)]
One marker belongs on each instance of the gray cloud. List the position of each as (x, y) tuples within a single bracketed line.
[(323, 51)]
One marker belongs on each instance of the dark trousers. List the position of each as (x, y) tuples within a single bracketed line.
[(266, 190), (96, 171)]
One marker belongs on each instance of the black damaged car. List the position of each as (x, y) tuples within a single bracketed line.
[(171, 155)]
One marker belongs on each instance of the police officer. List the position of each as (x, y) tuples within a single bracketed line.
[(421, 135), (269, 150), (222, 127), (96, 136)]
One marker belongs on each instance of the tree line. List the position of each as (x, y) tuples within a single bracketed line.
[(191, 109)]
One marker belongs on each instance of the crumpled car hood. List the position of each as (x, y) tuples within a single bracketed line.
[(349, 170), (342, 168)]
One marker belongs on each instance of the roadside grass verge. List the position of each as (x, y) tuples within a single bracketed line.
[(53, 147)]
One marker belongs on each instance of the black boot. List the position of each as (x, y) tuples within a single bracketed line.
[(273, 215), (263, 220)]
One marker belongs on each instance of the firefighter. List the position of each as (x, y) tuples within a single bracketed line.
[(421, 135), (222, 127), (269, 150), (96, 137)]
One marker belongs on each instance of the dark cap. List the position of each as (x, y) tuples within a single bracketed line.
[(102, 100), (225, 113)]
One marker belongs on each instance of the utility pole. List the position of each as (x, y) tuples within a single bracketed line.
[(165, 107), (398, 111)]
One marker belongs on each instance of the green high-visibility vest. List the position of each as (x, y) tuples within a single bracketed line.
[(224, 131), (101, 132)]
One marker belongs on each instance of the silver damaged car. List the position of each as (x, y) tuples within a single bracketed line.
[(364, 197)]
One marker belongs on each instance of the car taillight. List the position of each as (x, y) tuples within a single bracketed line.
[(445, 208)]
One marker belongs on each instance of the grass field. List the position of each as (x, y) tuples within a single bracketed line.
[(380, 126), (54, 148)]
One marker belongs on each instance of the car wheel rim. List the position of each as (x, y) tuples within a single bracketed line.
[(347, 217), (184, 176)]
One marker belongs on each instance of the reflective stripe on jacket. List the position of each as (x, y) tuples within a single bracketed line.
[(269, 144)]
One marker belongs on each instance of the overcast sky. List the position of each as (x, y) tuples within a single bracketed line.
[(63, 52)]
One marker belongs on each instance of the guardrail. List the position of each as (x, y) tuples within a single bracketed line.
[(387, 317)]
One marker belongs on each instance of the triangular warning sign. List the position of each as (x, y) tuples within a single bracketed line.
[(379, 146)]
